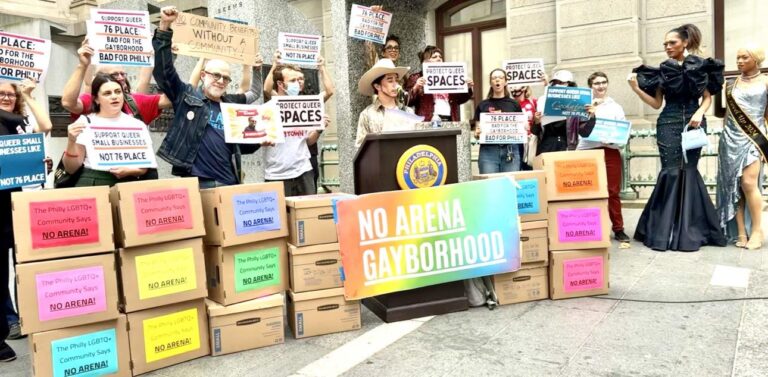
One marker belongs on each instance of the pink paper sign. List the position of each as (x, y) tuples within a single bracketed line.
[(63, 223), (579, 225), (70, 293), (162, 211), (583, 274)]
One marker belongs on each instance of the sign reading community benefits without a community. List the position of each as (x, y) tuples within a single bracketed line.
[(400, 240)]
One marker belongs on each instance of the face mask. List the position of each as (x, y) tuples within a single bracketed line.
[(293, 89)]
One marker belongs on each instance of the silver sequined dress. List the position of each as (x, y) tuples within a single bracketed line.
[(736, 152)]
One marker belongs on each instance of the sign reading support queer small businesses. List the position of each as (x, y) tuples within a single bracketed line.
[(21, 160), (445, 78), (400, 240), (503, 128), (23, 57), (610, 131), (209, 38), (298, 48), (368, 25), (121, 37), (109, 146), (524, 71), (567, 101)]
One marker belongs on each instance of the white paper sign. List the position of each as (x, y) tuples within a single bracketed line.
[(111, 146), (251, 124), (444, 78), (368, 25), (503, 128), (23, 57), (298, 48), (121, 37), (524, 71), (610, 131), (304, 112), (399, 120)]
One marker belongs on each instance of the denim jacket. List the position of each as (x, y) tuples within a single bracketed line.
[(191, 111)]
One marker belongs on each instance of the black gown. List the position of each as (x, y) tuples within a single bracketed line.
[(679, 215)]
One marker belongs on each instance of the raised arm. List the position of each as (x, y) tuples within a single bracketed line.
[(71, 92), (256, 90), (269, 83), (165, 74), (652, 101), (328, 87), (194, 77), (145, 75), (41, 116)]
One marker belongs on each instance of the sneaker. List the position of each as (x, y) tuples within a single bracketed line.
[(6, 353), (621, 236), (15, 332)]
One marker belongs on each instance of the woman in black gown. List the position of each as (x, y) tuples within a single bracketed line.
[(679, 214)]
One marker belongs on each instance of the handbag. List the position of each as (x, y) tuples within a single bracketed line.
[(62, 179), (693, 138), (530, 148)]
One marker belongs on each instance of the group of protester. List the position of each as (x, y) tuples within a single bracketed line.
[(679, 214)]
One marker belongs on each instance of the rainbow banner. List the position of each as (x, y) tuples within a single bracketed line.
[(400, 240)]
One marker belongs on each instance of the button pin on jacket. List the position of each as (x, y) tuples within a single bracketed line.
[(190, 115)]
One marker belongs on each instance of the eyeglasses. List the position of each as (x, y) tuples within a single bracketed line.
[(7, 95), (392, 48), (115, 75), (219, 76)]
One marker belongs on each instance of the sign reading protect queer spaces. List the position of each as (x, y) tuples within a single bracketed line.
[(400, 240)]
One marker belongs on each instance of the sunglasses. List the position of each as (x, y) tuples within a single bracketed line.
[(219, 76)]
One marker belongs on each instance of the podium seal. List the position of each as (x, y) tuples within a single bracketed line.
[(421, 166)]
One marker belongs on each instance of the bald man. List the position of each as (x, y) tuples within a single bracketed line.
[(145, 107), (195, 143)]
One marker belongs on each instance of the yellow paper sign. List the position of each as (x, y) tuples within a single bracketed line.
[(166, 273), (206, 37), (170, 335)]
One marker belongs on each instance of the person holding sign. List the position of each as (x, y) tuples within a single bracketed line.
[(559, 133), (679, 215), (606, 108), (390, 50), (497, 158), (524, 96), (13, 121), (107, 106), (383, 81), (742, 150), (446, 106), (195, 143)]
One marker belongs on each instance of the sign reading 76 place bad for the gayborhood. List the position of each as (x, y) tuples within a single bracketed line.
[(400, 240)]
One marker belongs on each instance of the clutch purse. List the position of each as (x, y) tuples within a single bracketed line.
[(693, 138)]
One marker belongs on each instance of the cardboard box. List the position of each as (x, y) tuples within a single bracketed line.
[(240, 214), (322, 312), (310, 219), (162, 274), (247, 325), (156, 211), (534, 251), (100, 348), (531, 196), (168, 335), (574, 175), (245, 272), (67, 292), (62, 223), (314, 267), (582, 224), (529, 284), (578, 273)]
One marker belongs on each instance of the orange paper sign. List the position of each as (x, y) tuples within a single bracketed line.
[(576, 176)]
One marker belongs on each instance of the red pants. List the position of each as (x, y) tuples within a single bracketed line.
[(613, 169)]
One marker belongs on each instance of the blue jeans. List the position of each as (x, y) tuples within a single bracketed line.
[(10, 312), (205, 183), (496, 158)]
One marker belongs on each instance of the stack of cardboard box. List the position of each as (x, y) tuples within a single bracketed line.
[(317, 305), (579, 226), (159, 229), (67, 282), (530, 283), (246, 265)]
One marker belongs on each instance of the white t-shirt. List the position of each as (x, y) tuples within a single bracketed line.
[(124, 120), (609, 109), (289, 159), (442, 106)]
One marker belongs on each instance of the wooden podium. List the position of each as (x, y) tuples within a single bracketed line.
[(375, 171)]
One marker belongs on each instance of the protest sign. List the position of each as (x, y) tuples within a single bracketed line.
[(400, 240), (368, 25), (251, 124), (610, 131), (109, 146), (209, 38), (567, 101), (445, 78), (524, 71), (23, 57), (21, 160), (121, 37), (503, 128), (305, 112), (298, 48)]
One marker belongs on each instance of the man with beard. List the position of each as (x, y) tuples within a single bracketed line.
[(195, 143)]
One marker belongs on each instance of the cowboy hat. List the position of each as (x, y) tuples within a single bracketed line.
[(381, 68)]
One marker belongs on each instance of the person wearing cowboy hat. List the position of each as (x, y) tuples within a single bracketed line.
[(383, 80)]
